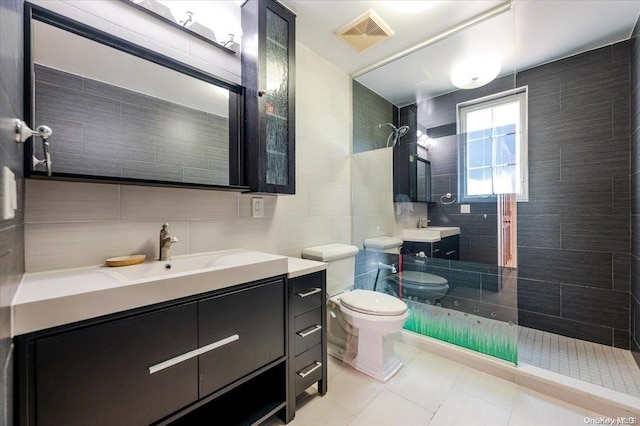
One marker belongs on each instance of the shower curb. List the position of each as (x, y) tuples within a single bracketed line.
[(586, 395)]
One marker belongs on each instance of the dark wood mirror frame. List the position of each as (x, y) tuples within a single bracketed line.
[(236, 101)]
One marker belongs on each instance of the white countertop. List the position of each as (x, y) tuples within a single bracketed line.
[(49, 299), (299, 267), (430, 234)]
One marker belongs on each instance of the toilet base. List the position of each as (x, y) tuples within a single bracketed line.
[(380, 364), (375, 355)]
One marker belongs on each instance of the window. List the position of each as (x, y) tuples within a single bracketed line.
[(493, 147)]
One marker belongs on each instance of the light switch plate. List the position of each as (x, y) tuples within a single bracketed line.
[(465, 208), (9, 194), (257, 207)]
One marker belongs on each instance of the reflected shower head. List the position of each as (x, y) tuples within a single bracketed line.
[(402, 131), (397, 133)]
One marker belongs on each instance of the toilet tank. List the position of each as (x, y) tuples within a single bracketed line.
[(384, 244), (341, 264)]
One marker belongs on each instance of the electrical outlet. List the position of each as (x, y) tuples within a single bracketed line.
[(257, 207), (465, 208)]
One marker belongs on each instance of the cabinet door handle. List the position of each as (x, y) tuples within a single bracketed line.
[(310, 292), (192, 354), (309, 369), (436, 250), (310, 330), (219, 343), (449, 253)]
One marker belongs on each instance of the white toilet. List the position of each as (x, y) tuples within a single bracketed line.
[(360, 322), (414, 285)]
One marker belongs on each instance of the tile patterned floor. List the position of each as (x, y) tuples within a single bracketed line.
[(429, 390), (601, 365)]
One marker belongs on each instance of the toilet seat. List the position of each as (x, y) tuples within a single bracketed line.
[(373, 303), (422, 278)]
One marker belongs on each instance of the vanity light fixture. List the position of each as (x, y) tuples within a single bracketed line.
[(188, 20), (424, 141), (475, 72)]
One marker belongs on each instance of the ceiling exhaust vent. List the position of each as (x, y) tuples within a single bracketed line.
[(364, 31)]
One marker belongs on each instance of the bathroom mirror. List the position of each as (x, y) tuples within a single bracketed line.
[(422, 80), (123, 113)]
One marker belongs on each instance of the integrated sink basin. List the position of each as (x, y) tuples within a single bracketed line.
[(48, 299), (188, 264), (430, 234)]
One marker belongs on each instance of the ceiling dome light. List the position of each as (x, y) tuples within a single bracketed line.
[(475, 72)]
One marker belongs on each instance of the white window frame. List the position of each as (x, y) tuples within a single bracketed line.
[(462, 109)]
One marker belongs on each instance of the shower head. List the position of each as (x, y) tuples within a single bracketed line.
[(402, 130), (397, 133)]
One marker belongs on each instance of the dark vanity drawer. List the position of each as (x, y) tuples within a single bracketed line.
[(307, 294), (105, 374), (308, 368), (248, 326), (308, 330)]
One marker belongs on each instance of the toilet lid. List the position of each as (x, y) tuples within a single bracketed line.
[(373, 302), (422, 278)]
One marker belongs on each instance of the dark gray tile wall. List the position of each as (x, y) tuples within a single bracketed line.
[(574, 240), (634, 114), (574, 247), (369, 110), (11, 154), (105, 130)]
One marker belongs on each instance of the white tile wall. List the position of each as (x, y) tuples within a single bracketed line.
[(71, 202), (70, 224), (144, 203), (374, 212)]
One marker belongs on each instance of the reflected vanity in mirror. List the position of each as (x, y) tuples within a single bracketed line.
[(122, 113)]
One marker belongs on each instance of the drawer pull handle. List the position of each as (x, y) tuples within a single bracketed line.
[(192, 354), (309, 369), (310, 330), (310, 292), (449, 253)]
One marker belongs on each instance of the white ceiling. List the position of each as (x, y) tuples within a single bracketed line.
[(531, 33)]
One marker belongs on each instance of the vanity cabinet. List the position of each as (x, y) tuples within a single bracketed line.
[(268, 75), (182, 363), (308, 334), (446, 248), (100, 375), (253, 324)]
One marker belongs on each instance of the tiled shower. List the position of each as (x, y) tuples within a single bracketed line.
[(574, 232), (577, 276)]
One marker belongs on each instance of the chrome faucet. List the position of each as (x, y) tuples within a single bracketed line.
[(391, 267), (165, 242), (422, 222)]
